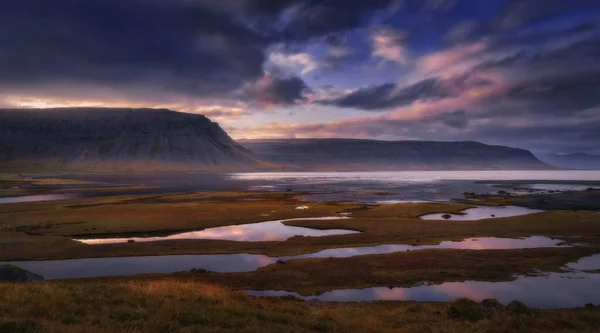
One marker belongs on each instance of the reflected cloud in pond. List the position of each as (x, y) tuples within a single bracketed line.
[(555, 290), (96, 267), (251, 232), (480, 213)]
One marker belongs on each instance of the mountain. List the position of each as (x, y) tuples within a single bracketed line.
[(356, 155), (581, 161), (103, 139)]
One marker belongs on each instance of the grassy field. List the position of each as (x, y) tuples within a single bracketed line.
[(159, 305), (207, 302), (401, 269), (43, 230)]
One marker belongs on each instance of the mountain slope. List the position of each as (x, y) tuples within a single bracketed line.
[(350, 154), (101, 139), (581, 161)]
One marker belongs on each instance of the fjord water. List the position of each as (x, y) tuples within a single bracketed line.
[(365, 186), (406, 186)]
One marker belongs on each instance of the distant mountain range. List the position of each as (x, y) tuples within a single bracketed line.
[(148, 140), (581, 161), (354, 155), (100, 139)]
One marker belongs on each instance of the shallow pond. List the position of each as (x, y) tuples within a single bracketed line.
[(480, 213), (97, 267), (37, 198), (251, 232), (573, 289), (587, 263), (481, 243)]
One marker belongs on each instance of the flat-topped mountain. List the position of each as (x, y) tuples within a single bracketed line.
[(101, 139), (358, 155)]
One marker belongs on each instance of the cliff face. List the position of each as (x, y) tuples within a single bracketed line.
[(100, 139), (355, 155)]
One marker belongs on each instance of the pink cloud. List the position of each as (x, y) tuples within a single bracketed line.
[(440, 60)]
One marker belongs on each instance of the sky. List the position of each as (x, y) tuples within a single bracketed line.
[(523, 73)]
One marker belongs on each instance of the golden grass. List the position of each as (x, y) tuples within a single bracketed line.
[(401, 269), (35, 231), (159, 305)]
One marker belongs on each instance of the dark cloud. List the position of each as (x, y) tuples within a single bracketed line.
[(271, 90), (517, 13), (199, 48), (183, 46), (457, 119), (389, 95), (315, 18)]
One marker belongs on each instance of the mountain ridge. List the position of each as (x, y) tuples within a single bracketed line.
[(157, 140), (341, 154), (117, 139)]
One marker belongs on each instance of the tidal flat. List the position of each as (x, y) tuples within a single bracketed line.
[(384, 245)]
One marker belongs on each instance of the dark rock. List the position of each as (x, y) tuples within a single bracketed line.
[(493, 215), (446, 216), (12, 273), (492, 304), (502, 192), (464, 309), (518, 307), (131, 241), (199, 270), (589, 305), (281, 262)]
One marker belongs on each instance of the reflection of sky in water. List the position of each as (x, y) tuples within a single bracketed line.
[(37, 198), (404, 185), (94, 267), (551, 291), (482, 243), (252, 232), (587, 263), (480, 213)]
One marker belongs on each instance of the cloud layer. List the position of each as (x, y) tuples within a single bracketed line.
[(519, 72)]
